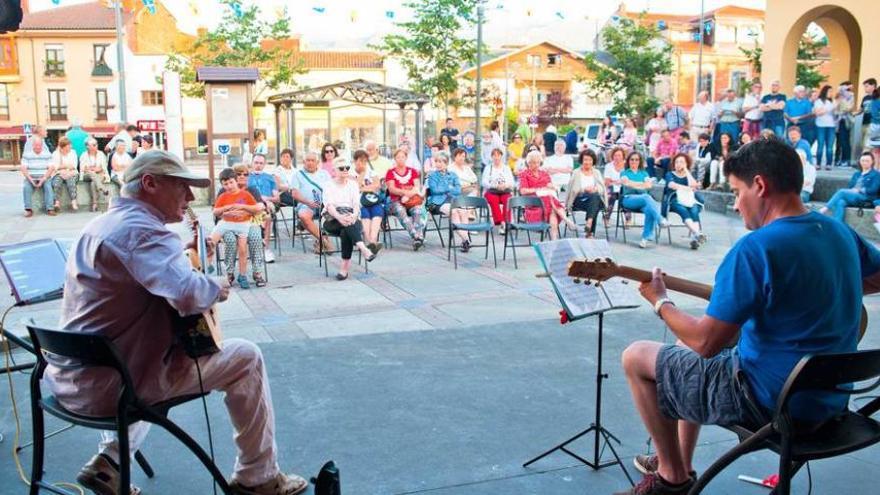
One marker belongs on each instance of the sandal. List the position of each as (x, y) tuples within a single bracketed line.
[(94, 207), (259, 281)]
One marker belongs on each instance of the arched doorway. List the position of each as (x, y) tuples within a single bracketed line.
[(852, 28)]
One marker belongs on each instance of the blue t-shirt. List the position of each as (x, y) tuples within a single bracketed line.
[(639, 176), (803, 144), (874, 111), (796, 107), (773, 117), (792, 302), (311, 185), (265, 183)]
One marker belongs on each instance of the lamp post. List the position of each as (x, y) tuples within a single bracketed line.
[(479, 137), (120, 61), (700, 57)]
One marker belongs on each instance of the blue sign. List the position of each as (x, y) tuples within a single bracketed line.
[(224, 149), (28, 130)]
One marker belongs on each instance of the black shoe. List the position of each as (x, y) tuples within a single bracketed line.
[(417, 244), (465, 246), (653, 484), (341, 277)]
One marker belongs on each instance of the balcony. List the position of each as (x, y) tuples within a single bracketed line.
[(54, 69), (58, 114), (102, 70)]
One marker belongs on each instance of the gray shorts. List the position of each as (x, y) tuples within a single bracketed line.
[(704, 391)]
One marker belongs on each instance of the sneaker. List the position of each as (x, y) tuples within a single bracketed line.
[(664, 222), (501, 229), (51, 213), (647, 464), (269, 255), (417, 244), (653, 484), (643, 243), (243, 282), (101, 475), (281, 484)]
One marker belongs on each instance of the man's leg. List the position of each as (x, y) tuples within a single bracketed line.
[(640, 366), (306, 217)]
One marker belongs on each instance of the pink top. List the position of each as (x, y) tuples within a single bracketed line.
[(667, 147), (529, 181)]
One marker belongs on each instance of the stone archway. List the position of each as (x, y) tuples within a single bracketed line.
[(852, 27)]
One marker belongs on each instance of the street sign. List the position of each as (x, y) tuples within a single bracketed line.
[(222, 146), (28, 130)]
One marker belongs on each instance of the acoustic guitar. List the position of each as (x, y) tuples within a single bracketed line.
[(200, 334), (600, 270)]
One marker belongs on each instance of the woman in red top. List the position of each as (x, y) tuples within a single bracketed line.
[(404, 189), (536, 182)]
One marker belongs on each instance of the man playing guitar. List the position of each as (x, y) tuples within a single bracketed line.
[(127, 279), (791, 287)]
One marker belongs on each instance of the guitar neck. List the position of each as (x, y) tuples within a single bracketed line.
[(703, 291)]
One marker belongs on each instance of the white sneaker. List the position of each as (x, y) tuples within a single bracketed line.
[(664, 222), (643, 243), (269, 255)]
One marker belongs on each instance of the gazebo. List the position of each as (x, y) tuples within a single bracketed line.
[(351, 101)]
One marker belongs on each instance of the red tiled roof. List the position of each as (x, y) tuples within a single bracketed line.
[(340, 60), (86, 16)]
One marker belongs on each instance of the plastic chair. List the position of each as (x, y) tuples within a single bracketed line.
[(797, 442), (483, 223), (98, 351), (517, 205)]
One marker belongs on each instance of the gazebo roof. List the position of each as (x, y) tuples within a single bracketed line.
[(357, 91)]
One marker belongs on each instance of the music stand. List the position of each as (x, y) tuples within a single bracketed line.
[(35, 271), (581, 301)]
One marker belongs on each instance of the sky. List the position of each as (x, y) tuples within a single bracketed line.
[(352, 24)]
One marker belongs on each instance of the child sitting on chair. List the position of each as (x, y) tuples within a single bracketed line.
[(236, 208)]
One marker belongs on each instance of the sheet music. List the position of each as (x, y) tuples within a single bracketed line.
[(35, 270), (581, 300)]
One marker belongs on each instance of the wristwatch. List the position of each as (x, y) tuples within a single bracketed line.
[(659, 304)]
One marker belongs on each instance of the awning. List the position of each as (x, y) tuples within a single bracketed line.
[(13, 133), (101, 131)]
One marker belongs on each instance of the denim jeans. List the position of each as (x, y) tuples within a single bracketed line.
[(843, 198), (842, 152), (686, 212), (778, 129), (48, 195), (825, 137), (732, 128), (651, 166), (644, 203)]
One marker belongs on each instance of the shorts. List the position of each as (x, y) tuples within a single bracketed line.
[(240, 229), (704, 391), (375, 211), (437, 209), (302, 207)]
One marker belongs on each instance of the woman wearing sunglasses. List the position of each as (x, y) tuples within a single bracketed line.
[(328, 154), (342, 203)]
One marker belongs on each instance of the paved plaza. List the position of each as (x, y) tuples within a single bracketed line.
[(418, 378)]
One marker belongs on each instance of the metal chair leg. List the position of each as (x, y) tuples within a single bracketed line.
[(142, 462), (748, 445)]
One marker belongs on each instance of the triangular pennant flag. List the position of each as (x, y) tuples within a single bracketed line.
[(319, 10), (353, 16), (559, 15), (193, 7), (389, 14), (236, 7), (56, 2)]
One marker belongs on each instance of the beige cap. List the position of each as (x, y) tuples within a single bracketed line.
[(161, 162)]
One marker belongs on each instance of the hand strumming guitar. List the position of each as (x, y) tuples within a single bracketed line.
[(655, 289)]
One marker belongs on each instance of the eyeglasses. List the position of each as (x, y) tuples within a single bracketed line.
[(343, 169), (242, 174), (329, 151)]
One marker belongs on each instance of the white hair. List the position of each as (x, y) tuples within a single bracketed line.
[(91, 140), (559, 144), (132, 189), (534, 156), (310, 154)]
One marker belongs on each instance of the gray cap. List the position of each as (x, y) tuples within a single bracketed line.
[(161, 162)]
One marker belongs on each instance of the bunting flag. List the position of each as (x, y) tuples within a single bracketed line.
[(236, 7), (353, 16), (319, 10), (389, 14), (150, 5), (56, 2), (193, 7), (560, 15)]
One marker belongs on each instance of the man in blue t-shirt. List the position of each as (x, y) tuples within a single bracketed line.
[(759, 294), (799, 112), (773, 105)]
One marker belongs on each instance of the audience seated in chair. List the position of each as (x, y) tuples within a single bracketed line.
[(64, 165), (682, 198), (342, 210), (465, 172), (236, 208), (586, 191), (307, 189), (118, 162), (611, 175), (270, 196), (285, 174), (559, 166), (498, 183), (93, 170), (536, 182), (445, 187), (863, 187), (637, 197), (372, 204), (407, 197), (254, 238), (128, 291), (662, 154)]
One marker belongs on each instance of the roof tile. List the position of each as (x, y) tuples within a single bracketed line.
[(86, 16)]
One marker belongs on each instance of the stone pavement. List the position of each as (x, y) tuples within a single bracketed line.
[(418, 378)]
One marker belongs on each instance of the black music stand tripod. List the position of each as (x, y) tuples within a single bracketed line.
[(601, 433)]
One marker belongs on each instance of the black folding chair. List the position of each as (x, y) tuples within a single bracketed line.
[(322, 253), (482, 223), (620, 222), (599, 218), (436, 219), (98, 351), (517, 205), (797, 442)]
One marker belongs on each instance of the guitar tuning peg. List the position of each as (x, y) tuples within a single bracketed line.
[(577, 280)]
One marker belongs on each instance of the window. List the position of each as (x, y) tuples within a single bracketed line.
[(101, 104), (533, 60), (738, 79), (4, 101), (152, 98), (54, 60), (57, 104), (554, 59), (99, 54), (708, 84)]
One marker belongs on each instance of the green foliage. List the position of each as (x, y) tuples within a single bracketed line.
[(555, 109), (639, 54), (511, 115), (235, 42), (808, 73), (432, 47), (754, 56)]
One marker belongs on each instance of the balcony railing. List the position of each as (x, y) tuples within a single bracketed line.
[(58, 114), (54, 69), (102, 70)]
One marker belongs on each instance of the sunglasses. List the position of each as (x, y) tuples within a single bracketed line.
[(329, 151), (343, 169), (242, 174)]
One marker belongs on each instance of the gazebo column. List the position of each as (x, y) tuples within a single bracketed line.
[(277, 133), (402, 131), (291, 131), (420, 127)]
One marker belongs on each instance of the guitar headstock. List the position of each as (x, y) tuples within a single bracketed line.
[(598, 270)]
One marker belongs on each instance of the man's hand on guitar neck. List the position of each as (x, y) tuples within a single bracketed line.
[(224, 292), (655, 289)]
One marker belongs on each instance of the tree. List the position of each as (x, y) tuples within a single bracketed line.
[(754, 55), (555, 109), (634, 54), (237, 41), (432, 48), (490, 96), (808, 74)]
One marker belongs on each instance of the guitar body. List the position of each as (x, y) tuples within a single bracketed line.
[(200, 334)]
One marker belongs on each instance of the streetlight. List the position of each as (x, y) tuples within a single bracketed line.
[(120, 61), (479, 137)]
